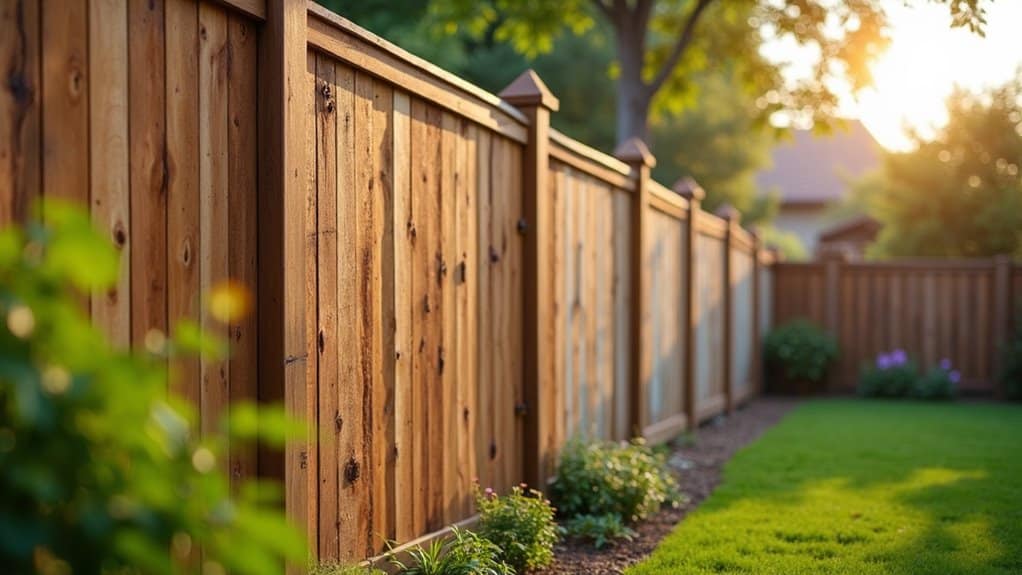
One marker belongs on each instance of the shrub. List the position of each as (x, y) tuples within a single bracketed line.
[(99, 470), (891, 375), (799, 353), (341, 569), (463, 553), (627, 480), (600, 529), (1011, 367), (938, 383), (521, 524)]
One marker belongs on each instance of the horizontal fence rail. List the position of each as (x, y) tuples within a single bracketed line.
[(962, 310), (447, 289)]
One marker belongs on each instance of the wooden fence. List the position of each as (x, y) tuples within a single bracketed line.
[(447, 289), (962, 310)]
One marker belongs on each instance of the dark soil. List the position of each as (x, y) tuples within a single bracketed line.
[(702, 458)]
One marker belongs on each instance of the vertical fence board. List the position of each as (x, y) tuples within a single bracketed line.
[(20, 110)]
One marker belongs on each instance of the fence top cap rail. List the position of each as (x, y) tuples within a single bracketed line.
[(589, 153), (689, 189), (634, 151), (529, 90), (348, 27)]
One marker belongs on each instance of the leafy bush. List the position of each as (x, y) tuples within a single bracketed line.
[(521, 524), (99, 470), (339, 569), (891, 375), (1011, 366), (938, 383), (463, 553), (628, 480), (600, 529), (799, 353)]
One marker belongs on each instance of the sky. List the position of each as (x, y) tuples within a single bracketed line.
[(926, 59)]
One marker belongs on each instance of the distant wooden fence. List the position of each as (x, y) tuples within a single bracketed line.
[(447, 289), (962, 310)]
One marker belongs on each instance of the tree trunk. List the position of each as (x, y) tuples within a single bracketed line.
[(633, 96)]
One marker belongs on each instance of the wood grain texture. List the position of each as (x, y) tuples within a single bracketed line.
[(20, 109)]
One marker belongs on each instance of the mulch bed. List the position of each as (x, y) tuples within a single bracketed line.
[(702, 459)]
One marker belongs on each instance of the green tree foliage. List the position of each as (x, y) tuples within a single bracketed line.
[(100, 471), (959, 195)]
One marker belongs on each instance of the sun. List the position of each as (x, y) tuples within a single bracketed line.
[(924, 63)]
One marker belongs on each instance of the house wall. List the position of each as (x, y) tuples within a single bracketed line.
[(804, 222)]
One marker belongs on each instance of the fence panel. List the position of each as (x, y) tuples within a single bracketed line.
[(664, 327), (710, 385), (743, 327), (931, 309)]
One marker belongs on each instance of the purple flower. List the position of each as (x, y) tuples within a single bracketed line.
[(488, 492), (883, 361), (955, 377), (945, 364), (899, 357)]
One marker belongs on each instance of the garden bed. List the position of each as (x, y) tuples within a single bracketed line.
[(702, 459)]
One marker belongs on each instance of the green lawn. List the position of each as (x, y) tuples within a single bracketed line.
[(864, 487)]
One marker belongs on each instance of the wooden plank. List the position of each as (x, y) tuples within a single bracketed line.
[(213, 198), (499, 284), (183, 205), (20, 109), (420, 174), (465, 284), (109, 178), (327, 248), (404, 413), (251, 8), (351, 498), (146, 85), (622, 180), (622, 308), (383, 428), (65, 101), (243, 266), (517, 409), (485, 445), (448, 345), (432, 256), (554, 388)]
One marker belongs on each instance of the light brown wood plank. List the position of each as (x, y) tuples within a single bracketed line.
[(449, 352), (485, 446), (404, 412), (327, 306), (383, 430), (242, 252), (432, 238), (183, 204), (20, 109), (109, 177), (146, 89), (214, 179), (466, 284)]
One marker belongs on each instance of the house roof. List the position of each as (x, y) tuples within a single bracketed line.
[(814, 168), (861, 227)]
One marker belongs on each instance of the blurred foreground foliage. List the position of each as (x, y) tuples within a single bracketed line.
[(101, 471)]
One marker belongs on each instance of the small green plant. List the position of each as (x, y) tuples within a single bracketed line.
[(940, 382), (798, 355), (1011, 365), (342, 569), (100, 468), (521, 524), (628, 480), (600, 529), (463, 553), (890, 375)]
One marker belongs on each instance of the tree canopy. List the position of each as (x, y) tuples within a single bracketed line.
[(959, 194)]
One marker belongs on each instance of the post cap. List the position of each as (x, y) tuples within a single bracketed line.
[(689, 189), (529, 90), (634, 151), (729, 213)]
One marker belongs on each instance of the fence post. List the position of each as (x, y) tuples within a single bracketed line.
[(757, 329), (283, 185), (635, 153), (530, 95), (690, 190), (733, 219), (1003, 315)]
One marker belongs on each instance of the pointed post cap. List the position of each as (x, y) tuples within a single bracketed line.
[(529, 90), (729, 213), (634, 151), (689, 189)]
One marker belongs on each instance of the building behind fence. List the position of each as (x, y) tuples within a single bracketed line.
[(447, 289)]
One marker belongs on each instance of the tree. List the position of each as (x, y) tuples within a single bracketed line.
[(662, 44), (959, 195)]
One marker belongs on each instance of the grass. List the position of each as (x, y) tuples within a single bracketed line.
[(864, 487)]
